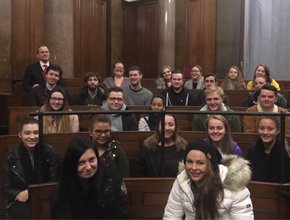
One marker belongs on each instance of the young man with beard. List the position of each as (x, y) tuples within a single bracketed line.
[(214, 96), (38, 94), (135, 94), (177, 94), (35, 73), (92, 93)]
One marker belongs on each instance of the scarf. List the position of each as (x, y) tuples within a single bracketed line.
[(35, 175)]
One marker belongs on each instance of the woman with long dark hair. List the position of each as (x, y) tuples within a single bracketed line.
[(210, 187), (87, 189), (148, 163), (265, 155)]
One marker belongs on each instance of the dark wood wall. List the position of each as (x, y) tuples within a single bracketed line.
[(27, 33), (91, 37), (201, 33), (140, 36)]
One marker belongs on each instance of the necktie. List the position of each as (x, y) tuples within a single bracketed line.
[(45, 70)]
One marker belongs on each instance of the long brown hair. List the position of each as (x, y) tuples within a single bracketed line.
[(240, 84), (152, 141), (209, 194), (227, 142), (267, 74), (62, 122)]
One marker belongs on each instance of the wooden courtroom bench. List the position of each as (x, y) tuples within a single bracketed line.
[(236, 97), (17, 114), (147, 198), (130, 141)]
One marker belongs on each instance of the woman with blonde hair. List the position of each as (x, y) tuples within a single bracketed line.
[(233, 79), (148, 163), (218, 134), (57, 101), (210, 186), (164, 79), (196, 81)]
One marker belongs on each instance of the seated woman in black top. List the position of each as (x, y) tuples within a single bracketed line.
[(88, 189), (29, 163), (269, 158), (148, 163)]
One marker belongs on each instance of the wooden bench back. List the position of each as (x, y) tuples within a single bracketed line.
[(17, 114), (147, 198)]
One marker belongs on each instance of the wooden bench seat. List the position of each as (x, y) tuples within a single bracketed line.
[(130, 141), (147, 198), (17, 114)]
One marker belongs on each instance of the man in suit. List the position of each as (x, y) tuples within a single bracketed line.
[(35, 73)]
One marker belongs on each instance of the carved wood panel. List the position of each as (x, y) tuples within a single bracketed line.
[(201, 33), (91, 36)]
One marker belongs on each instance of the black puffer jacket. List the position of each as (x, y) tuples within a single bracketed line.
[(252, 99), (13, 177)]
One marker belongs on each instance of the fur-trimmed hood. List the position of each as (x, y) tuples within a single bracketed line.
[(235, 172)]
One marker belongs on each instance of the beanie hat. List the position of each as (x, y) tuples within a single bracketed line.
[(210, 152)]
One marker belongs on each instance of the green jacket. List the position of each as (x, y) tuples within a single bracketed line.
[(199, 121)]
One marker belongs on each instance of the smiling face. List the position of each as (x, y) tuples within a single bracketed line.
[(135, 77), (100, 133), (260, 71), (216, 130), (88, 164), (233, 74), (52, 77), (119, 70), (43, 54), (157, 104), (29, 135), (195, 73), (259, 82), (167, 74), (177, 81), (267, 99), (169, 128), (214, 101), (115, 100), (196, 165), (268, 130), (56, 101)]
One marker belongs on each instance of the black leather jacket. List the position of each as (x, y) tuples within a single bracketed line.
[(13, 177), (252, 99)]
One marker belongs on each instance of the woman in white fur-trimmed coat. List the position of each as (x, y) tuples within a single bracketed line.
[(206, 189)]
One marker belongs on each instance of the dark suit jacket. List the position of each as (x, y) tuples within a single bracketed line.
[(34, 75)]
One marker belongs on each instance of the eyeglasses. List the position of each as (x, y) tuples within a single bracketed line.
[(56, 99), (119, 68), (100, 132), (115, 99)]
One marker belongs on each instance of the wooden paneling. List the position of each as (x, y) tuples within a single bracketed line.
[(91, 36), (27, 33), (140, 36), (201, 33)]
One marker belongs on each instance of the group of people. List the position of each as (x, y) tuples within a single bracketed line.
[(211, 174)]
